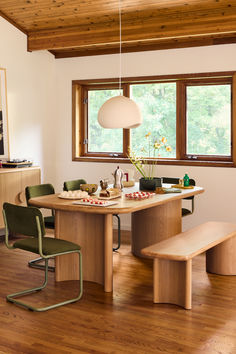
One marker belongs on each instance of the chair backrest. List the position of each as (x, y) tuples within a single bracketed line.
[(73, 185), (170, 180), (38, 191), (22, 220), (175, 180)]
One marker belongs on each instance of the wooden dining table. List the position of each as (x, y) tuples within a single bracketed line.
[(153, 220)]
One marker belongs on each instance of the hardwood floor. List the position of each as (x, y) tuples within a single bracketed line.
[(126, 321)]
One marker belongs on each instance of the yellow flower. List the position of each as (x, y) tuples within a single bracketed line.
[(148, 134), (164, 140), (168, 148), (157, 145)]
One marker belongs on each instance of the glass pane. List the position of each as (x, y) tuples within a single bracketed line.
[(209, 120), (158, 106), (101, 139)]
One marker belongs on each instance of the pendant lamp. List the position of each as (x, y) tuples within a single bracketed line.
[(119, 111)]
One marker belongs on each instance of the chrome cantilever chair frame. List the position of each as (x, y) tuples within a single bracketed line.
[(12, 297), (118, 235)]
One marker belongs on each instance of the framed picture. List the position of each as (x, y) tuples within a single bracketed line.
[(4, 141)]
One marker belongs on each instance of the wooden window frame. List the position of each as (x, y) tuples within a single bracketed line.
[(183, 118), (84, 113), (80, 90)]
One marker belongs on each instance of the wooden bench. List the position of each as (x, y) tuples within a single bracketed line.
[(172, 267)]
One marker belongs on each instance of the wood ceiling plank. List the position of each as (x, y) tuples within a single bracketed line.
[(147, 27), (93, 25), (3, 15), (48, 14)]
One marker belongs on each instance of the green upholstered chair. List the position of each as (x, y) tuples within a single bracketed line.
[(173, 180), (75, 185), (29, 222), (38, 191)]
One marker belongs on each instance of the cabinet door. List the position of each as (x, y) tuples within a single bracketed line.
[(12, 187)]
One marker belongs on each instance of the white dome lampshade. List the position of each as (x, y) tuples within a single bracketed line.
[(119, 112)]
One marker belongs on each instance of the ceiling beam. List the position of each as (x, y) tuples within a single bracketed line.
[(140, 46)]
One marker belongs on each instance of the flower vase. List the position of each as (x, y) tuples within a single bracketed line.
[(146, 184)]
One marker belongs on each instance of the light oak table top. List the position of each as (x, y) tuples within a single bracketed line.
[(123, 205)]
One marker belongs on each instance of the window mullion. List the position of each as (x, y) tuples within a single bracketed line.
[(233, 103), (126, 132), (180, 120), (84, 123)]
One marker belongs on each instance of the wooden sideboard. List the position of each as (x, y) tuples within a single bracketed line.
[(13, 182)]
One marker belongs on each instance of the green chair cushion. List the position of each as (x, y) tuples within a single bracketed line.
[(38, 191), (73, 185), (50, 246), (22, 220), (49, 222)]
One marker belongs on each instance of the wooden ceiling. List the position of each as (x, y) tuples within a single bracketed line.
[(88, 27)]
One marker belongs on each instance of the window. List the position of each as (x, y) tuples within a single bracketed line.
[(158, 106), (209, 120), (102, 140), (193, 112)]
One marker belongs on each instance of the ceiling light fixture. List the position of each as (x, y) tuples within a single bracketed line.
[(119, 111)]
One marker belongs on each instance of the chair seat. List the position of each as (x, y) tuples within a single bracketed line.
[(50, 245), (186, 212), (49, 222)]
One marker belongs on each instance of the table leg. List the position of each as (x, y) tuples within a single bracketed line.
[(153, 225), (87, 230), (108, 257)]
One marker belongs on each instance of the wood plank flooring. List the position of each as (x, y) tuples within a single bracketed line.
[(123, 322)]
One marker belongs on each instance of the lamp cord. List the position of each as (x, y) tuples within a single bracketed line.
[(120, 45)]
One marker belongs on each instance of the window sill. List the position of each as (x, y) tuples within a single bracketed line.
[(158, 162)]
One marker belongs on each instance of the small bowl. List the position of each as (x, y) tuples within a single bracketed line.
[(89, 187)]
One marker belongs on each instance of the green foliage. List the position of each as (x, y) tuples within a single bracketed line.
[(209, 120), (158, 106), (100, 139)]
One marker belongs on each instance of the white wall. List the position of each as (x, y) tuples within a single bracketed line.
[(39, 102), (30, 91), (219, 200)]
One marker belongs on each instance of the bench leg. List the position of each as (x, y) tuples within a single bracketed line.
[(172, 282), (221, 259)]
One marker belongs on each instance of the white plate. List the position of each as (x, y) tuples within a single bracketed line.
[(59, 196), (107, 203), (109, 198)]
